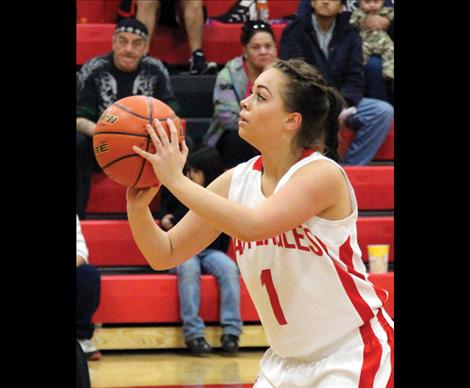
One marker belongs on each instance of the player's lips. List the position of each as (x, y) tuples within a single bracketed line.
[(242, 119)]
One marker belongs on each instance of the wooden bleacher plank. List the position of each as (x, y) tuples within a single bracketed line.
[(168, 337)]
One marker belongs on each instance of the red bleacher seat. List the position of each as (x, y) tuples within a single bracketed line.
[(111, 244), (221, 42), (386, 150), (373, 186), (277, 8), (105, 11), (153, 298)]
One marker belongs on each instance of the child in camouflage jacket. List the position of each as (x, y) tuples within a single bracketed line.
[(376, 42)]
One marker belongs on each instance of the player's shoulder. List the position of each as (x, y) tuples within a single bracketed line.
[(320, 171), (221, 185)]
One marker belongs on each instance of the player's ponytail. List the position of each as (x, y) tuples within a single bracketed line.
[(337, 104)]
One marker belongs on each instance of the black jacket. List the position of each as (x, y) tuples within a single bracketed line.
[(344, 68)]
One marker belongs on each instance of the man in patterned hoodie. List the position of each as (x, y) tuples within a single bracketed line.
[(102, 80)]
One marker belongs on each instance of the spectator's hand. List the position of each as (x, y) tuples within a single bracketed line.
[(345, 113), (170, 158), (80, 261), (140, 198), (167, 221), (375, 22), (85, 126)]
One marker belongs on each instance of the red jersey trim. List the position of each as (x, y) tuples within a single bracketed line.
[(258, 165), (391, 342), (371, 356)]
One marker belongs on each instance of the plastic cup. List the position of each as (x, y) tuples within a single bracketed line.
[(378, 258)]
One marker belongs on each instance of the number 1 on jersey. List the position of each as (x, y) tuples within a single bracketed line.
[(267, 280)]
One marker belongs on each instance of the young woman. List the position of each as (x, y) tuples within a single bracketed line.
[(292, 215), (232, 85)]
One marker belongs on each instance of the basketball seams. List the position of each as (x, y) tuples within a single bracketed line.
[(141, 170), (135, 115)]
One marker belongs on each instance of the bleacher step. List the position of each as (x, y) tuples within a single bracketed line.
[(168, 337)]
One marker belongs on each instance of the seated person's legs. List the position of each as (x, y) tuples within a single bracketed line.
[(376, 86), (88, 298), (192, 15), (374, 118)]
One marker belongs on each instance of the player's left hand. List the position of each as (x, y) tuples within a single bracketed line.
[(169, 158)]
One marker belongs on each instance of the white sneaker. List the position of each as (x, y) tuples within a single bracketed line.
[(89, 349)]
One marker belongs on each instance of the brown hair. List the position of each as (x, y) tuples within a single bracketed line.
[(306, 92)]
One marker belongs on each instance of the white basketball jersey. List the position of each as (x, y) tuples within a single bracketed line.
[(309, 285)]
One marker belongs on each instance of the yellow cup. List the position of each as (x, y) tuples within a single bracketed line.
[(378, 258)]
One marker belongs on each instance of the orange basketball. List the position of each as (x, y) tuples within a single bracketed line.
[(121, 126)]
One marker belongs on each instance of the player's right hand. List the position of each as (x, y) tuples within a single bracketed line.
[(140, 198)]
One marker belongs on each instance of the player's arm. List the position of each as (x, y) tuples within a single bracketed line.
[(312, 190), (187, 238)]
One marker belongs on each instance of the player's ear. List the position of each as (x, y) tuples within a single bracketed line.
[(293, 121)]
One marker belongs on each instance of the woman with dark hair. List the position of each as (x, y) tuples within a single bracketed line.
[(232, 85), (292, 214), (203, 166)]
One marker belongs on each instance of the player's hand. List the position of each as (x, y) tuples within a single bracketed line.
[(169, 158), (140, 198)]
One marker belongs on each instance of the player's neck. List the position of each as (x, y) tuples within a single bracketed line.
[(276, 162)]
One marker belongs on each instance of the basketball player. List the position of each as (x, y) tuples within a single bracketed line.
[(292, 215)]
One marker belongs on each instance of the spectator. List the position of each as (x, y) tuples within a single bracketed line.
[(104, 79), (88, 298), (375, 85), (233, 84), (204, 165), (375, 42), (176, 13), (371, 19), (341, 64)]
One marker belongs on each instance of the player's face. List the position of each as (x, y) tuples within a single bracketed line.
[(327, 8), (261, 50), (371, 6), (262, 113), (128, 50)]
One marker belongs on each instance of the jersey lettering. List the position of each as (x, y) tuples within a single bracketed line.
[(267, 280)]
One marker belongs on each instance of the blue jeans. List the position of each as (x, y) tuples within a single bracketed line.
[(376, 86), (373, 120), (218, 264)]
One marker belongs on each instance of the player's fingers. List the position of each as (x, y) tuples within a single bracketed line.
[(184, 149), (173, 132), (161, 132), (141, 152), (155, 139)]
